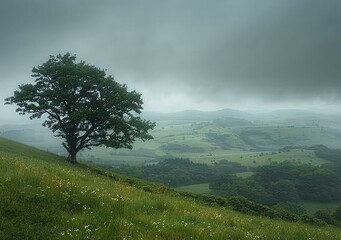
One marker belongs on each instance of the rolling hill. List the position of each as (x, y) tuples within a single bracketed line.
[(42, 197), (206, 137)]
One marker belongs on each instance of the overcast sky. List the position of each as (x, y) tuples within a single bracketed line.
[(185, 54)]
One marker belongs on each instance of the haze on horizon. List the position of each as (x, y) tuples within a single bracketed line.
[(195, 54)]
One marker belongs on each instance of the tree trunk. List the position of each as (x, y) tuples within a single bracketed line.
[(72, 158), (72, 149)]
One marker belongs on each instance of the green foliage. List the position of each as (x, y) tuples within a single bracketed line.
[(332, 155), (281, 183), (337, 214), (327, 153), (284, 191), (179, 172), (274, 172), (83, 105), (290, 207), (176, 172), (311, 220), (325, 216), (244, 205), (231, 185), (311, 182), (224, 166)]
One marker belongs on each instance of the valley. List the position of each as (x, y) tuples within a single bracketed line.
[(209, 138)]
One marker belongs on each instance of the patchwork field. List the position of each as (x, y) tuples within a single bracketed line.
[(207, 137), (208, 143)]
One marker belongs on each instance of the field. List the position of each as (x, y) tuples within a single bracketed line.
[(208, 137), (42, 197), (211, 143), (249, 143)]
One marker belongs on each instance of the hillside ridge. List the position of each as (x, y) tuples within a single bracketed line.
[(45, 198)]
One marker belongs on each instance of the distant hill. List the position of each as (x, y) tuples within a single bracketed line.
[(43, 197)]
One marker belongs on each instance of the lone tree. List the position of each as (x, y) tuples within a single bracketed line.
[(82, 105)]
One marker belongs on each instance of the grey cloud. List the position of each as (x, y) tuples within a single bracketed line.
[(217, 51)]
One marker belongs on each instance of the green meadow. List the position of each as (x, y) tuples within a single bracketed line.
[(43, 197), (207, 137)]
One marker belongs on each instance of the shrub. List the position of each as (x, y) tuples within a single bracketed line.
[(244, 205), (325, 216), (337, 214), (311, 220)]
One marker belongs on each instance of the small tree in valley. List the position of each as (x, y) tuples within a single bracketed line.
[(82, 105)]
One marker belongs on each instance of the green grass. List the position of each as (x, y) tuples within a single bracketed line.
[(202, 188), (42, 197)]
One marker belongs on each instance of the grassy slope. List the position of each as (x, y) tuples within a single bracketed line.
[(44, 198)]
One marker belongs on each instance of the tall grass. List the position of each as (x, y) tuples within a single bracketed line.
[(42, 197)]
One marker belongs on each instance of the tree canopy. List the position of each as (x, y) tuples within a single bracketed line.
[(83, 105)]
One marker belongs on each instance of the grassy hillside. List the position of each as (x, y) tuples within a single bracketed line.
[(42, 197)]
